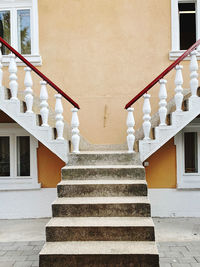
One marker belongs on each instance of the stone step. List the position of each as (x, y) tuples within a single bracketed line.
[(103, 172), (100, 229), (99, 254), (104, 158), (101, 207), (101, 188)]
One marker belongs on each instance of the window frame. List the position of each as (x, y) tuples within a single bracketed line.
[(187, 180), (175, 33), (12, 130), (34, 57)]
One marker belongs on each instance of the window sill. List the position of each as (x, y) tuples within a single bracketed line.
[(189, 185), (36, 60), (18, 185), (173, 55)]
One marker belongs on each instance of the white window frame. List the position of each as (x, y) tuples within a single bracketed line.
[(13, 6), (187, 180), (14, 182), (175, 32)]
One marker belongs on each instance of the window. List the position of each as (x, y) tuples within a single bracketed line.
[(19, 27), (185, 18), (188, 155), (18, 158)]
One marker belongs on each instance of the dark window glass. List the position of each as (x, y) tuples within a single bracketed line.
[(4, 156), (23, 156), (187, 23), (5, 29), (191, 152), (24, 31)]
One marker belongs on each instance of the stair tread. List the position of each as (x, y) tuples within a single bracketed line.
[(103, 167), (85, 182), (101, 200), (101, 152), (99, 247), (101, 222)]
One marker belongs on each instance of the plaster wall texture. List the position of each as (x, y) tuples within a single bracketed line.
[(102, 53)]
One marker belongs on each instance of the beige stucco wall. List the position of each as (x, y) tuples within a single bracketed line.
[(102, 53)]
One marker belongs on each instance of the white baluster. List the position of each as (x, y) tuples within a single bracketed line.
[(178, 90), (44, 110), (28, 91), (193, 73), (130, 122), (146, 117), (75, 130), (13, 77), (59, 117), (163, 103), (1, 71)]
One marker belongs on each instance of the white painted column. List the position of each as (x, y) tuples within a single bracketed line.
[(163, 103), (28, 91), (146, 117), (178, 90), (130, 122), (193, 74), (44, 107), (75, 130), (59, 117), (1, 66), (13, 77)]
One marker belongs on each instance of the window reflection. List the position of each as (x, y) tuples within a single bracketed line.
[(4, 156)]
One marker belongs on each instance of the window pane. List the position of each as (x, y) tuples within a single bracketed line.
[(4, 156), (191, 152), (24, 31), (187, 21), (23, 156), (5, 29)]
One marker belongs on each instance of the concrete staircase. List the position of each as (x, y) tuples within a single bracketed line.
[(102, 214)]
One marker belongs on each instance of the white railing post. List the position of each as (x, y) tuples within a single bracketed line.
[(178, 90), (59, 117), (130, 122), (28, 91), (44, 110), (1, 66), (163, 103), (13, 77), (193, 73), (146, 117), (75, 130)]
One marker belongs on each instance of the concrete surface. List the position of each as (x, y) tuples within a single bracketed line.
[(178, 241)]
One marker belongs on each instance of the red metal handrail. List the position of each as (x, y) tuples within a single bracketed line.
[(176, 62), (39, 73)]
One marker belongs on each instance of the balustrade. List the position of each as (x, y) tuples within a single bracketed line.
[(44, 110)]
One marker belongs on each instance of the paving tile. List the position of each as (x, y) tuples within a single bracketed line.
[(36, 243), (29, 252), (7, 264), (169, 260), (165, 265), (13, 252), (33, 258), (195, 264), (23, 264), (180, 265), (22, 247), (36, 264), (187, 260)]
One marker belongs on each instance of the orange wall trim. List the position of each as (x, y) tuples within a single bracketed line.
[(49, 167), (161, 172)]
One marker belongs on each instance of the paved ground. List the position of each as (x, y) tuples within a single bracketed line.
[(178, 242)]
